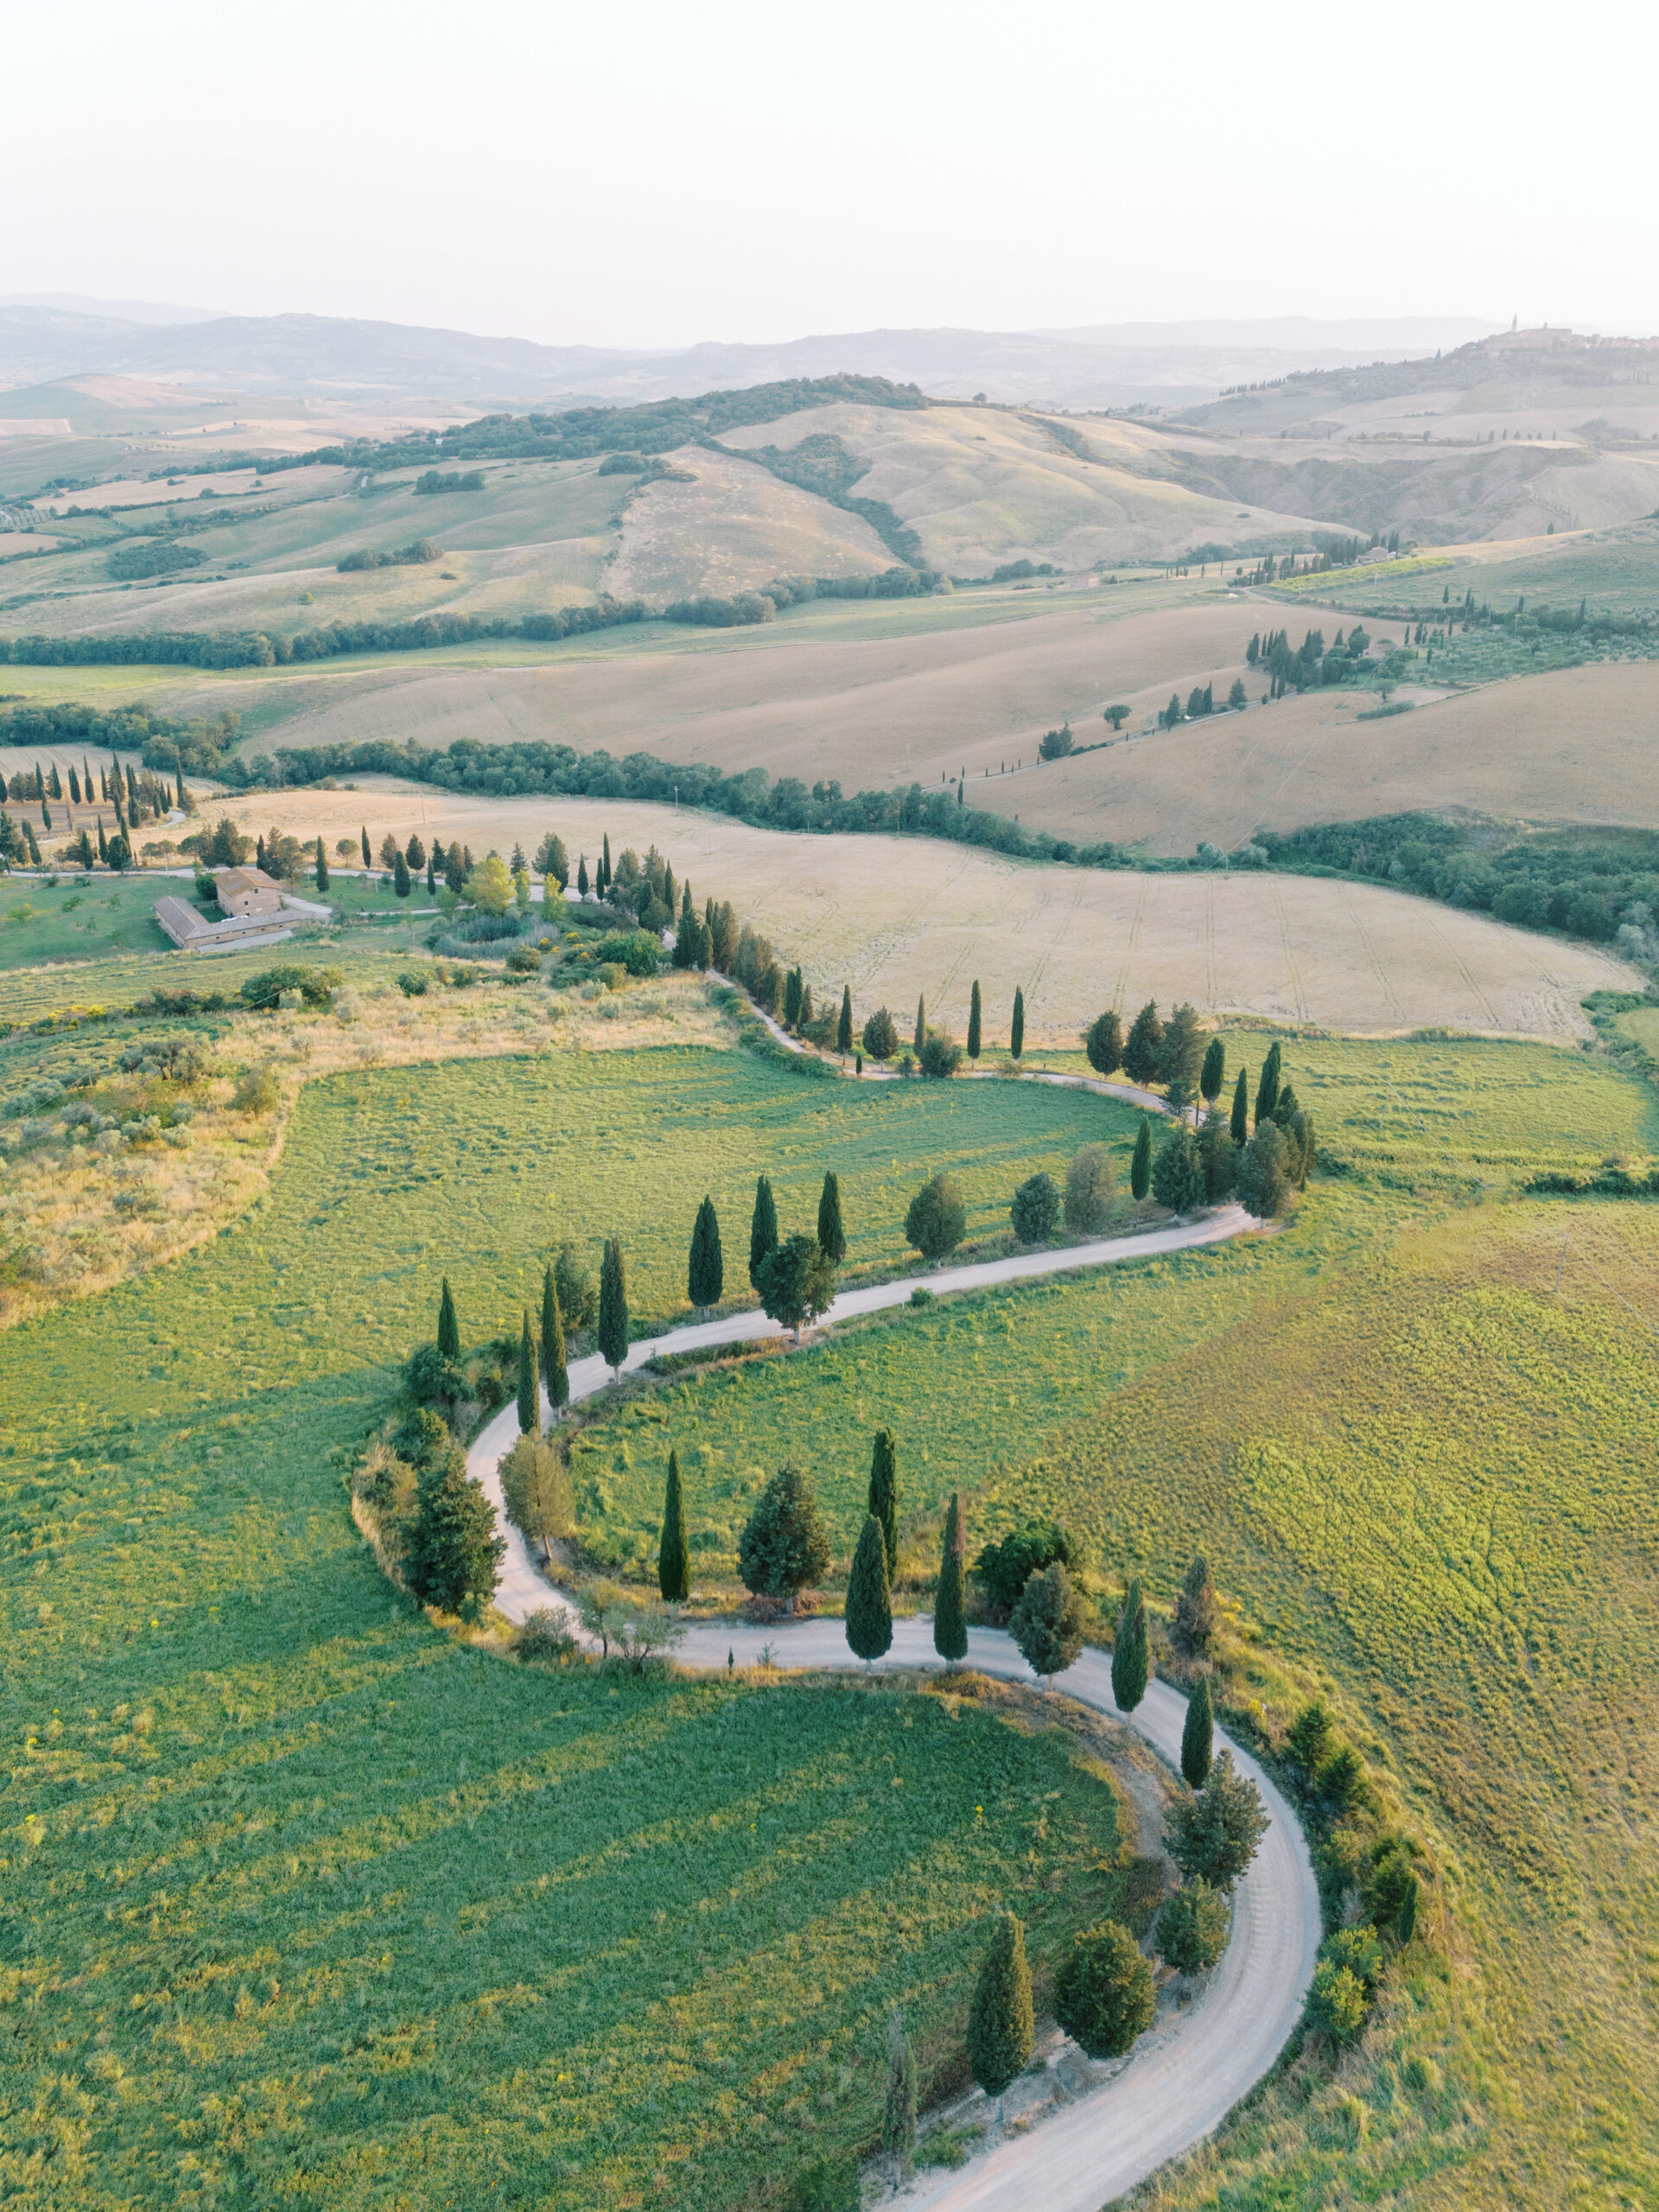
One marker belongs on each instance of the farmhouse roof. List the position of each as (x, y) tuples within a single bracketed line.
[(243, 879)]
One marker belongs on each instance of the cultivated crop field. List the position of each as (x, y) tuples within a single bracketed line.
[(896, 918), (1413, 1433)]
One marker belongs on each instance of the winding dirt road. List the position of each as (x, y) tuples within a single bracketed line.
[(1180, 2082)]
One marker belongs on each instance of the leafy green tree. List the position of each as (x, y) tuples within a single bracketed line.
[(937, 1220), (881, 1035), (783, 1546), (1310, 1741), (832, 1238), (1192, 1627), (705, 1274), (578, 1301), (844, 1026), (1036, 1209), (1240, 1124), (975, 1013), (552, 860), (1267, 1091), (1263, 1177), (1197, 1736), (1131, 1654), (537, 1488), (1091, 1186), (950, 1607), (448, 1327), (453, 1547), (1214, 1834), (763, 1230), (1000, 2024), (555, 1372), (898, 2104), (1103, 1992), (1004, 1569), (322, 866), (1117, 716), (1048, 1622), (795, 1283), (1104, 1043), (1178, 1180), (673, 1552), (530, 1403), (1336, 2003), (1180, 1059), (613, 1307), (1143, 1049), (400, 877), (1213, 1072), (869, 1596), (1192, 1929), (940, 1056), (884, 1494), (920, 1037), (489, 886), (1017, 1033)]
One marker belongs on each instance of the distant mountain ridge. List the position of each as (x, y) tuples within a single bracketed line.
[(44, 341)]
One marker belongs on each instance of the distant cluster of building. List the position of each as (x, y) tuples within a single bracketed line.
[(254, 908)]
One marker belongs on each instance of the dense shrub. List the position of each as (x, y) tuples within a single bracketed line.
[(1103, 1992), (1036, 1209), (1004, 1568), (938, 1220), (1091, 1186)]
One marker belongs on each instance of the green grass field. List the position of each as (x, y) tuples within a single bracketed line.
[(79, 919)]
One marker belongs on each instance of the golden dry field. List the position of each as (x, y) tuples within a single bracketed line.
[(896, 918)]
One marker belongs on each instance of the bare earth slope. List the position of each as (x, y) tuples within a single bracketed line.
[(899, 918)]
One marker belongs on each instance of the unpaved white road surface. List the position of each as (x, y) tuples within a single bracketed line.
[(1183, 2079)]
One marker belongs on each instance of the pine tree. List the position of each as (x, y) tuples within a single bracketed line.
[(1141, 1166), (1000, 2026), (554, 1373), (920, 1037), (614, 1308), (869, 1594), (529, 1404), (1240, 1125), (763, 1230), (454, 1546), (448, 1327), (368, 856), (705, 1279), (832, 1238), (673, 1555), (322, 866), (1197, 1736), (1213, 1072), (1017, 1034), (975, 1013), (950, 1612), (1131, 1659), (1267, 1091), (844, 1026), (884, 1494)]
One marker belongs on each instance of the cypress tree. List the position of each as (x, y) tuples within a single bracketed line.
[(975, 1013), (1240, 1125), (322, 866), (529, 1404), (1141, 1166), (1000, 2020), (1017, 1034), (1267, 1091), (368, 857), (614, 1308), (950, 1616), (869, 1594), (832, 1239), (920, 1037), (884, 1495), (705, 1274), (448, 1327), (605, 865), (673, 1555), (1131, 1661), (763, 1230), (899, 2107), (1198, 1736), (582, 877), (1212, 1072), (792, 999), (400, 880), (844, 1027), (103, 846), (553, 1367)]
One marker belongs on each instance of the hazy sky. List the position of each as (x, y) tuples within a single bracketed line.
[(651, 174)]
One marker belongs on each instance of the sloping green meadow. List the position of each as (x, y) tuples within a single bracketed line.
[(302, 1902)]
